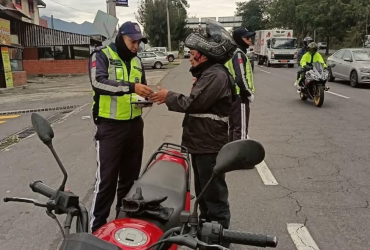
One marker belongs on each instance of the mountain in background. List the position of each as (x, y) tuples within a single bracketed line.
[(85, 28)]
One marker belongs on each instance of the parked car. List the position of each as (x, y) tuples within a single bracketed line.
[(172, 55), (154, 60), (322, 45), (352, 65)]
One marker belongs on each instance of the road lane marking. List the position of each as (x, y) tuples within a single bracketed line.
[(5, 117), (265, 71), (301, 237), (266, 175), (2, 117), (346, 97)]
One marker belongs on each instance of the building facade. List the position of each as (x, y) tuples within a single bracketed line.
[(28, 47)]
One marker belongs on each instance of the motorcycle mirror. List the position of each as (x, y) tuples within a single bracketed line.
[(332, 65), (42, 128), (46, 135), (238, 155)]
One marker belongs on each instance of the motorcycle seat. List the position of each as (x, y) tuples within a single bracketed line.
[(163, 178)]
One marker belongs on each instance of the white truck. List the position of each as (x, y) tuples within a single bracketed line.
[(276, 46)]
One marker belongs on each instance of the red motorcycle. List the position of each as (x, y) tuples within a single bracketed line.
[(156, 212)]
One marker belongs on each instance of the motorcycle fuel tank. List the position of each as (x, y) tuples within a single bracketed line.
[(129, 233)]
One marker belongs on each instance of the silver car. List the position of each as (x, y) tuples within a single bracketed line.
[(352, 65), (153, 59)]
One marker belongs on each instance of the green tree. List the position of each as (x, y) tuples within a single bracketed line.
[(152, 16), (253, 13)]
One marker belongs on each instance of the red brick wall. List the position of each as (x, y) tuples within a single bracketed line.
[(19, 78), (43, 22), (30, 54), (55, 67)]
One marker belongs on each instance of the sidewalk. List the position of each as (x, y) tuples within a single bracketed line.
[(50, 92)]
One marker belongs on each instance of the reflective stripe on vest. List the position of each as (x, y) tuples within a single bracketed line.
[(119, 107), (247, 71), (211, 116)]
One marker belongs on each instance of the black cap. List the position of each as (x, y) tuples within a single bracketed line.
[(243, 32), (133, 31)]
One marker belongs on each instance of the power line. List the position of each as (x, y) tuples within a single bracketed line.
[(72, 7)]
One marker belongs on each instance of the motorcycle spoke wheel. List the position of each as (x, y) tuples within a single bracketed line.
[(319, 97)]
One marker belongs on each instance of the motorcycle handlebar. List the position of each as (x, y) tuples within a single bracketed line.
[(41, 188), (257, 240)]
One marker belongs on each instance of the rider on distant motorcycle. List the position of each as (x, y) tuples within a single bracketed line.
[(301, 53), (310, 57)]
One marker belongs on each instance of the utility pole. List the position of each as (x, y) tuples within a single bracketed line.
[(111, 7), (168, 28)]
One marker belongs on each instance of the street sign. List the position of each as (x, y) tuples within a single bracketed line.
[(4, 32), (122, 3), (105, 24)]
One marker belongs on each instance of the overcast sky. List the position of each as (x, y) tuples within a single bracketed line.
[(199, 8)]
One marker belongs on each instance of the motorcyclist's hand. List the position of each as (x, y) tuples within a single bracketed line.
[(143, 90), (160, 96)]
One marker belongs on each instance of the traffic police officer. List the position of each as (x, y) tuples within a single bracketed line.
[(117, 77), (240, 68)]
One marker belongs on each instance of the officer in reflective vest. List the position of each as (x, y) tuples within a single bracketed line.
[(117, 77), (240, 68)]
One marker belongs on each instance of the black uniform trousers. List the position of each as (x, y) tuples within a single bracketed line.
[(119, 148), (239, 119), (214, 205)]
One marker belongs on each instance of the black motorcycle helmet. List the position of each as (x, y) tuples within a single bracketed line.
[(307, 41), (215, 42)]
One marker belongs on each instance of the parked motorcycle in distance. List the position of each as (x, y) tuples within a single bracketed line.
[(148, 220), (315, 80)]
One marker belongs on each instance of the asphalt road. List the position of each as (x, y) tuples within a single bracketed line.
[(319, 158)]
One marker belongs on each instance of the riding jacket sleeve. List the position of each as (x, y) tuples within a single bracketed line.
[(207, 90)]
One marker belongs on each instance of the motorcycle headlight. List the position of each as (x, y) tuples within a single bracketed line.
[(365, 70)]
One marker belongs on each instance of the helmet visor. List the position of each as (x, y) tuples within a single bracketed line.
[(215, 31)]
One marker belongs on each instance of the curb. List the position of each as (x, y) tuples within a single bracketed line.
[(24, 111), (4, 90)]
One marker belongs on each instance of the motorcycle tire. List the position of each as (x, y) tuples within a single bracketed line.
[(319, 97), (303, 96)]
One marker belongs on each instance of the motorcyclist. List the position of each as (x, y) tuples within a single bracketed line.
[(207, 110), (310, 57), (302, 51)]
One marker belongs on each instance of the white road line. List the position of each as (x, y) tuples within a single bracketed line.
[(266, 175), (301, 237), (265, 71), (346, 97)]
